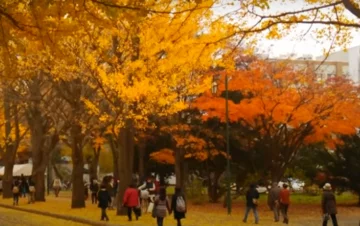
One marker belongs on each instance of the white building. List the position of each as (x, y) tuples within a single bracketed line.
[(352, 57)]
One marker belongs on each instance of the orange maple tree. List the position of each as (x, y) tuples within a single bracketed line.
[(197, 145), (281, 110)]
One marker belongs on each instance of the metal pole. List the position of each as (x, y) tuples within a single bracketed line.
[(228, 195)]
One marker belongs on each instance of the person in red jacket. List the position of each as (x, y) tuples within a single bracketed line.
[(131, 201), (285, 202)]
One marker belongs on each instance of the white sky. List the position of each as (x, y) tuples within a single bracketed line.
[(294, 43)]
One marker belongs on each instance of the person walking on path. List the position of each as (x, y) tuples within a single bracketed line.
[(57, 186), (274, 200), (161, 206), (94, 188), (131, 201), (110, 190), (252, 199), (24, 187), (31, 194), (104, 200), (178, 206), (285, 202), (16, 192), (328, 204)]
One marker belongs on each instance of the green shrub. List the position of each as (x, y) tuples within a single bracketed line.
[(195, 192)]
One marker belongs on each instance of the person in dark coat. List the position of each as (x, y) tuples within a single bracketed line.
[(177, 215), (104, 200), (94, 188), (274, 200), (328, 204), (16, 192), (252, 197), (24, 186)]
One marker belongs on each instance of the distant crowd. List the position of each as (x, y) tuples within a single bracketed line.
[(150, 197)]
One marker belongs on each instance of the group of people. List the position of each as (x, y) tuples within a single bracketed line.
[(104, 196), (279, 201), (21, 188)]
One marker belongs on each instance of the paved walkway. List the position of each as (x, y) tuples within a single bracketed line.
[(17, 218)]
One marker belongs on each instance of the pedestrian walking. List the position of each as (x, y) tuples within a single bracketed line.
[(131, 201), (274, 200), (110, 190), (252, 201), (86, 190), (94, 188), (24, 186), (285, 202), (104, 200), (57, 186), (161, 205), (16, 192), (178, 206), (31, 193), (328, 204)]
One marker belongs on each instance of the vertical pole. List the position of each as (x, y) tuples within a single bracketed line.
[(228, 193)]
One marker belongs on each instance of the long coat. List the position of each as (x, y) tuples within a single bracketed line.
[(104, 198), (328, 202), (177, 215), (274, 195)]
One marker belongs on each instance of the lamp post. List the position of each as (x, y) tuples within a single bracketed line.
[(227, 134)]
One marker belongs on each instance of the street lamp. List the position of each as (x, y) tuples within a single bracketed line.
[(227, 134)]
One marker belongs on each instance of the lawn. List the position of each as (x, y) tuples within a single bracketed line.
[(301, 213)]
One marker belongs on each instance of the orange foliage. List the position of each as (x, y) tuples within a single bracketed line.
[(287, 105), (195, 147)]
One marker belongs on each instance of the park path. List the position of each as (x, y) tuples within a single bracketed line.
[(17, 218)]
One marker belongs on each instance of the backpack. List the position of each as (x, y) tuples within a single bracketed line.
[(180, 204), (15, 189)]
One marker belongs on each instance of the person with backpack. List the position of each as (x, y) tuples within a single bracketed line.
[(104, 201), (328, 204), (161, 206), (16, 192), (178, 206), (131, 201), (31, 194), (94, 188), (252, 201), (285, 202)]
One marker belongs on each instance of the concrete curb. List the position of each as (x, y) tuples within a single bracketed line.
[(59, 216)]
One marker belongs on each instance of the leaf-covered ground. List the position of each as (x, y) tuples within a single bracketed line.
[(16, 218), (209, 214)]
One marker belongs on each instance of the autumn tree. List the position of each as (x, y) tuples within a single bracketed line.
[(281, 110)]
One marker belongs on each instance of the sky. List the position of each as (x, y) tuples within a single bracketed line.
[(295, 43)]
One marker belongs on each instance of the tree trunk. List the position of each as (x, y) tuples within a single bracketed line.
[(126, 162), (11, 146), (115, 154), (141, 160), (179, 168), (9, 164), (78, 196), (93, 165), (8, 180)]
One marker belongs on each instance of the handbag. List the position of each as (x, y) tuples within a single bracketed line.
[(326, 217), (32, 189), (255, 202)]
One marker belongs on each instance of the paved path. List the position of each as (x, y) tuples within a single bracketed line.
[(17, 218)]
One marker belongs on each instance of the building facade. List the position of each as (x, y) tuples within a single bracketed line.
[(351, 57)]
